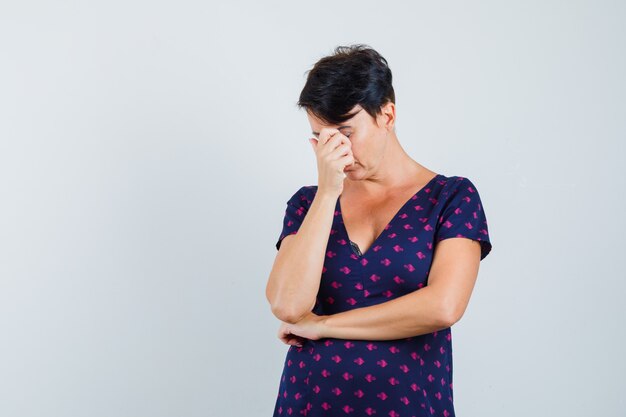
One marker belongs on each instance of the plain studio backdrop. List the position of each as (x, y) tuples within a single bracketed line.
[(147, 150)]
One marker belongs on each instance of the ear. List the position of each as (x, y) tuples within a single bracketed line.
[(388, 115)]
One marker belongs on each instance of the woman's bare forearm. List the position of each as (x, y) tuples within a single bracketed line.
[(413, 314), (295, 277)]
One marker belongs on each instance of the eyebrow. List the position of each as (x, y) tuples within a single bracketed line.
[(340, 127)]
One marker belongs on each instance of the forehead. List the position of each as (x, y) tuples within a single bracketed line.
[(317, 124)]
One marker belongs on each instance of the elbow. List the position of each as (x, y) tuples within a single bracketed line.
[(451, 319), (286, 305), (287, 312), (449, 314), (291, 312), (290, 315)]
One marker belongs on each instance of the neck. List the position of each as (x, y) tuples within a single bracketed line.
[(396, 169)]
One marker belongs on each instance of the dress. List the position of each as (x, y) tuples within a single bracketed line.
[(408, 377)]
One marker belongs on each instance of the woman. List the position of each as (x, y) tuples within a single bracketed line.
[(375, 263)]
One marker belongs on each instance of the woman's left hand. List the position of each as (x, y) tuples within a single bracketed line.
[(310, 327)]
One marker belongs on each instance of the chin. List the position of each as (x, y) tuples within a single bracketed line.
[(352, 174)]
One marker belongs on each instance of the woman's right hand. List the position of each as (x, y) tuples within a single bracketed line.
[(333, 151)]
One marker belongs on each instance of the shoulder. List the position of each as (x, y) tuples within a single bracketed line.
[(303, 197), (454, 189), (455, 184)]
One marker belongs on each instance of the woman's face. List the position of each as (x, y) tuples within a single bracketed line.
[(368, 138)]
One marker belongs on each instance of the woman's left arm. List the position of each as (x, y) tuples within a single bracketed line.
[(434, 307)]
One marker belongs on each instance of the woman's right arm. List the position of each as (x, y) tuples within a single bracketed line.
[(294, 280)]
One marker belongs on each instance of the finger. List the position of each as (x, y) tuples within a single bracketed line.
[(344, 137), (293, 341), (283, 332), (334, 141), (346, 161), (326, 133), (342, 150), (286, 336)]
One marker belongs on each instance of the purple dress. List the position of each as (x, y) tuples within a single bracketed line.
[(408, 377)]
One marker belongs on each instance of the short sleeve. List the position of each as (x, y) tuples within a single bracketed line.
[(295, 211), (463, 215)]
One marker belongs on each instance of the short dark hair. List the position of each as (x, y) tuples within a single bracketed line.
[(354, 74)]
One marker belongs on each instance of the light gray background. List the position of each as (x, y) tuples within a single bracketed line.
[(147, 150)]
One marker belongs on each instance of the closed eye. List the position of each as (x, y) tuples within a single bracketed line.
[(316, 134)]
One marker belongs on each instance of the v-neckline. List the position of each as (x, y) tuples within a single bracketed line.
[(374, 243)]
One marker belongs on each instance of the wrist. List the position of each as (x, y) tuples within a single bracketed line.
[(323, 193), (324, 326)]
